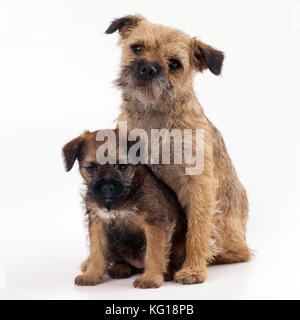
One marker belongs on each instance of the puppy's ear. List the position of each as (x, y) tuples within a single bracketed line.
[(71, 151), (124, 25), (206, 56)]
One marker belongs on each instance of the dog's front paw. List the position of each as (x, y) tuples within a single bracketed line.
[(88, 280), (147, 282), (84, 265), (190, 276)]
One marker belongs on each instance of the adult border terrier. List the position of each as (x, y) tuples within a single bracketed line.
[(135, 221), (156, 79)]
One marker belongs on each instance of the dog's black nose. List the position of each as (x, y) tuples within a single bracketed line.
[(107, 189), (148, 71)]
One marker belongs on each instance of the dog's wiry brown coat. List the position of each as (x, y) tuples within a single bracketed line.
[(143, 228), (215, 202)]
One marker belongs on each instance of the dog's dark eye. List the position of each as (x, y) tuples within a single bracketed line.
[(90, 170), (122, 167), (136, 48), (174, 64)]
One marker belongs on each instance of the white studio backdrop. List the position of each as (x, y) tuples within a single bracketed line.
[(56, 73)]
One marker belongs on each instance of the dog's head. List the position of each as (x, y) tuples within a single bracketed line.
[(158, 62), (108, 184)]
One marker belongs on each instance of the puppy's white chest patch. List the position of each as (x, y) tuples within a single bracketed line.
[(113, 214)]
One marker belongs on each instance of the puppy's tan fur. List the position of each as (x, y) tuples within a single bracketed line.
[(215, 202)]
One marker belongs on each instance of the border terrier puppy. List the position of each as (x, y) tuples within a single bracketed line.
[(135, 220), (156, 79)]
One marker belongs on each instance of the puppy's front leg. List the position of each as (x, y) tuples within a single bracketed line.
[(155, 260), (97, 264)]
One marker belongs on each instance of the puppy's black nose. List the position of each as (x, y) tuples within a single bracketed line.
[(107, 189), (148, 71), (108, 204)]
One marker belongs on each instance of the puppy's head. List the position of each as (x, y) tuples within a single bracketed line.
[(158, 62), (107, 185)]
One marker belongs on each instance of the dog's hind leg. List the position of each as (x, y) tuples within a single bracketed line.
[(242, 254), (230, 236)]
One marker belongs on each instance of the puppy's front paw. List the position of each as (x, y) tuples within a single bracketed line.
[(147, 282), (190, 276), (121, 271), (88, 280)]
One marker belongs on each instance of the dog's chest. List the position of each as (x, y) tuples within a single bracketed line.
[(170, 173), (149, 121)]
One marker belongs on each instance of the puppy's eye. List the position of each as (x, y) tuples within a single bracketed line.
[(122, 167), (136, 48), (90, 170), (174, 64)]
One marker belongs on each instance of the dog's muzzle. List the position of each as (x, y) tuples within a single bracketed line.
[(147, 70)]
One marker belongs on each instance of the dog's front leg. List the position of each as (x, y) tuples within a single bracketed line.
[(96, 266), (198, 198), (156, 258)]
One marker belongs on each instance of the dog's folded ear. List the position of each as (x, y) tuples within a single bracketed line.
[(71, 152), (124, 25), (206, 56)]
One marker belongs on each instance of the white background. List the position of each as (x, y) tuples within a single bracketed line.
[(56, 69)]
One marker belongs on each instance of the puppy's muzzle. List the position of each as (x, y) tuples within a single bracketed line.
[(108, 192)]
